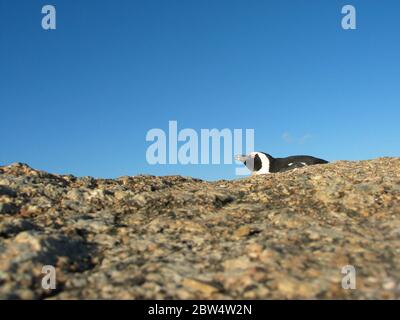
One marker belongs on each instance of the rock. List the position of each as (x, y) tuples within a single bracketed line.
[(7, 191), (237, 263), (75, 195), (139, 199), (282, 236), (11, 227), (242, 231), (8, 208), (202, 287)]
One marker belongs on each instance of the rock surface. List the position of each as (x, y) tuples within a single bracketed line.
[(285, 235)]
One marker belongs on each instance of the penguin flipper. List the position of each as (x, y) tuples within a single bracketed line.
[(293, 165)]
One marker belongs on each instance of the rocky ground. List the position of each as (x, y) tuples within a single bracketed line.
[(284, 235)]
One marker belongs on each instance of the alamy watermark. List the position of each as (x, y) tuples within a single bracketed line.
[(187, 146), (349, 280), (49, 20), (349, 20), (49, 279)]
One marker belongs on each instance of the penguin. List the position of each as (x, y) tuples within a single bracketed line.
[(263, 163)]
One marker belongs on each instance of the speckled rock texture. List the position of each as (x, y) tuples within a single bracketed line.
[(280, 236)]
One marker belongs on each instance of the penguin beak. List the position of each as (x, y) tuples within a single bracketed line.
[(241, 158)]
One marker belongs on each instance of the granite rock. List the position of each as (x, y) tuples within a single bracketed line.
[(280, 236)]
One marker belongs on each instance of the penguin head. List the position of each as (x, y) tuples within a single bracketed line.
[(256, 162)]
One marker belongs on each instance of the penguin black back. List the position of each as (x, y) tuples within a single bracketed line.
[(292, 162)]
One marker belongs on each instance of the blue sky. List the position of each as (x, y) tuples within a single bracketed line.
[(80, 99)]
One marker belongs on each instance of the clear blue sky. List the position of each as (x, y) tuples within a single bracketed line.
[(80, 99)]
